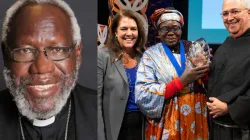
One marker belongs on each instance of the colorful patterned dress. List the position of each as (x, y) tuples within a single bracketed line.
[(182, 117)]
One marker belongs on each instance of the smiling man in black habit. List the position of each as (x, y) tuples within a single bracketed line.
[(41, 44), (229, 80)]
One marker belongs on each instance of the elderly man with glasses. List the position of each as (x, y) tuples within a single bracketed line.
[(41, 44), (229, 82)]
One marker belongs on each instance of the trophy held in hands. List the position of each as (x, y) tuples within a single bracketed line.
[(198, 54)]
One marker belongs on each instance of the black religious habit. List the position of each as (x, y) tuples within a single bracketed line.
[(229, 81)]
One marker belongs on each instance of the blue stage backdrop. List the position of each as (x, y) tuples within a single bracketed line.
[(205, 21)]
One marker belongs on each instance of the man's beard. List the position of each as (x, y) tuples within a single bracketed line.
[(19, 92)]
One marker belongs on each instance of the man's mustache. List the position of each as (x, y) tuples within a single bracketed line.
[(44, 79)]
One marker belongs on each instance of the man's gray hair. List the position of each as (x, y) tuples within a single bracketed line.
[(246, 3), (60, 3)]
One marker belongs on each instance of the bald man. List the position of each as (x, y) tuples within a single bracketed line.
[(41, 44), (229, 82)]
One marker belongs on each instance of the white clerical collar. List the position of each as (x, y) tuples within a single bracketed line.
[(42, 123)]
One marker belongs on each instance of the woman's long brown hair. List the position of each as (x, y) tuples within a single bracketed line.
[(112, 42)]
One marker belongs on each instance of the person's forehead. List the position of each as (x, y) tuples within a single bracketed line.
[(231, 4), (39, 18), (39, 11), (127, 20)]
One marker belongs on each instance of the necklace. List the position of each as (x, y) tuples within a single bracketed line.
[(125, 62), (127, 72), (66, 129), (175, 49)]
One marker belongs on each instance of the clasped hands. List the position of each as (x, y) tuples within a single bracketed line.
[(216, 107)]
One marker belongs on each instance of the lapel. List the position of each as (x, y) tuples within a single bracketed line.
[(138, 59), (121, 70)]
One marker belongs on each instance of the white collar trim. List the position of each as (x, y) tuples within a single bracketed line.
[(42, 123)]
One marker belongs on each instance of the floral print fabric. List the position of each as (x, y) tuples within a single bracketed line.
[(182, 117)]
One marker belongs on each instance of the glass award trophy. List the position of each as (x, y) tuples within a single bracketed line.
[(198, 53)]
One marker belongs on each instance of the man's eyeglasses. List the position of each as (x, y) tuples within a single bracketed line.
[(233, 12), (52, 53), (167, 29)]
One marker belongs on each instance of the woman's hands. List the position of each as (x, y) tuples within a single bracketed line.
[(191, 75)]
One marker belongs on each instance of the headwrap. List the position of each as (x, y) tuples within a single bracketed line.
[(162, 15)]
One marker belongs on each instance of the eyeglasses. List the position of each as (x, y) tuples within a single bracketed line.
[(167, 29), (233, 12), (52, 53)]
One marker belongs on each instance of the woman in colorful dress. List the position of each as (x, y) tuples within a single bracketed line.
[(168, 92)]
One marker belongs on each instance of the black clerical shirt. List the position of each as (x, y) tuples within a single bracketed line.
[(54, 131), (82, 125)]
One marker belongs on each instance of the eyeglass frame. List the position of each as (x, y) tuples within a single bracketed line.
[(70, 49), (170, 29), (231, 12)]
